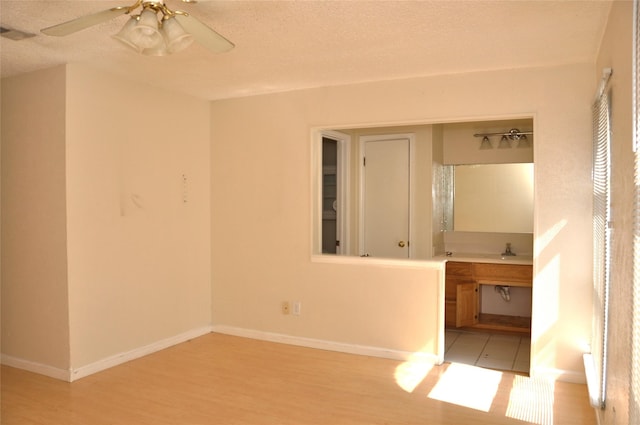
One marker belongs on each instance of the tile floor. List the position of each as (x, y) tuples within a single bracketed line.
[(493, 351)]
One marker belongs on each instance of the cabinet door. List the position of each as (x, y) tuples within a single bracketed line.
[(467, 304)]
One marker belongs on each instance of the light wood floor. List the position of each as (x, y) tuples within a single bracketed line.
[(219, 379)]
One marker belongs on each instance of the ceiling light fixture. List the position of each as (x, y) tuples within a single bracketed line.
[(504, 143), (155, 31), (506, 140), (486, 143), (524, 142)]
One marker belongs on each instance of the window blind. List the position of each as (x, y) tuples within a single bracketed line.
[(596, 362)]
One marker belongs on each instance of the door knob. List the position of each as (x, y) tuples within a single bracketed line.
[(401, 244)]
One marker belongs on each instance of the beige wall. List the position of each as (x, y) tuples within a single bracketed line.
[(35, 320), (138, 259), (101, 253), (615, 53), (138, 255), (261, 226)]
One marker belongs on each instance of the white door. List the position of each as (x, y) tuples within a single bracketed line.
[(385, 197)]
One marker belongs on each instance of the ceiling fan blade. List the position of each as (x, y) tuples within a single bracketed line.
[(203, 34), (83, 22)]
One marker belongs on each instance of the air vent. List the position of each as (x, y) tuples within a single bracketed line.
[(14, 34)]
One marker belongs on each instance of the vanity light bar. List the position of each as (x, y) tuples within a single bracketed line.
[(513, 134)]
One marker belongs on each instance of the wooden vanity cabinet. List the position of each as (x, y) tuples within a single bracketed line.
[(467, 304), (503, 274), (462, 291), (461, 295)]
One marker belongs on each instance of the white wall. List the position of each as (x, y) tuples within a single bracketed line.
[(261, 194), (35, 319), (138, 260), (138, 255), (103, 260)]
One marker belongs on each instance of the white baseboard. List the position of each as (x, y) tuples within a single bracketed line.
[(39, 368), (103, 364), (120, 358), (341, 347)]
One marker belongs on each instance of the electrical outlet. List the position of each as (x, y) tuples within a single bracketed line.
[(297, 305), (285, 307)]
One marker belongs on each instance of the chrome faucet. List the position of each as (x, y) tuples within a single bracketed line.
[(507, 252)]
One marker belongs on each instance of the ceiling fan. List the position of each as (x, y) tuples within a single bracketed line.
[(155, 30)]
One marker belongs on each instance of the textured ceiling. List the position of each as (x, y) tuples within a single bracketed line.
[(287, 45)]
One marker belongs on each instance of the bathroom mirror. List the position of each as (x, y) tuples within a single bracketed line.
[(492, 198)]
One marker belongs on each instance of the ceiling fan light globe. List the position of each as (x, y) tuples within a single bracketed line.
[(124, 35), (177, 38), (159, 50), (182, 43), (144, 41), (145, 34), (148, 20)]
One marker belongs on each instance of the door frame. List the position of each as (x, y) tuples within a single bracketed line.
[(343, 191), (361, 151)]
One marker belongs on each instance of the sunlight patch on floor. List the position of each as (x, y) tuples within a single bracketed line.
[(467, 386), (531, 400), (412, 372)]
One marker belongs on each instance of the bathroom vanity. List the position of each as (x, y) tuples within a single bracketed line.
[(464, 279)]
